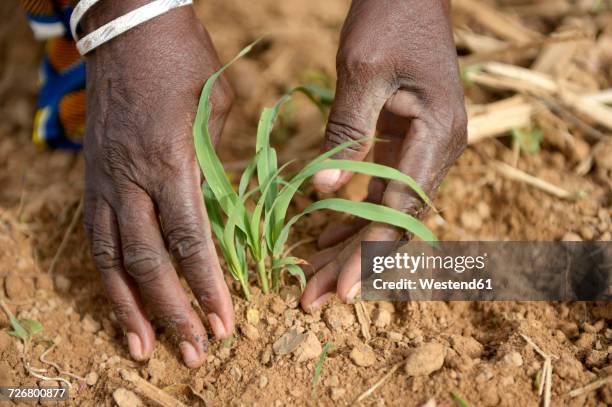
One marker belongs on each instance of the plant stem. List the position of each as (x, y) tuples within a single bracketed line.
[(244, 283), (261, 270), (275, 277)]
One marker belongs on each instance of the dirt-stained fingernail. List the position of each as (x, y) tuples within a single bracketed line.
[(135, 346), (217, 326), (327, 179), (319, 302), (354, 292), (190, 355)]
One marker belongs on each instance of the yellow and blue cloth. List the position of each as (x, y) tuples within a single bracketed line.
[(60, 112)]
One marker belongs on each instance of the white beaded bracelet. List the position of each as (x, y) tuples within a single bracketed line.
[(121, 24)]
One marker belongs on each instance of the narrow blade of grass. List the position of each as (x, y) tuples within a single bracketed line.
[(365, 210), (319, 366)]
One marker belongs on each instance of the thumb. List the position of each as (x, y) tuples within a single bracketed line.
[(353, 117)]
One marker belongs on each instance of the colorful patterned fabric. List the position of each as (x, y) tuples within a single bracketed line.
[(60, 114)]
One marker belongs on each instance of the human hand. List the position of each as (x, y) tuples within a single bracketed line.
[(398, 76), (142, 183)]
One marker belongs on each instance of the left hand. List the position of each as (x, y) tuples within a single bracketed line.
[(398, 76)]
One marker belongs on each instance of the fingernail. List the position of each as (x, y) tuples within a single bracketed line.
[(190, 356), (319, 302), (328, 178), (353, 292), (217, 326), (135, 346)]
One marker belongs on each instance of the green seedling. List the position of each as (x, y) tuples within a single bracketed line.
[(459, 401), (319, 367), (24, 329), (529, 139), (258, 236)]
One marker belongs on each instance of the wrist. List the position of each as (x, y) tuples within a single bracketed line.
[(107, 10), (128, 24)]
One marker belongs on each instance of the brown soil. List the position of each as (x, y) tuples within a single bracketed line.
[(486, 360)]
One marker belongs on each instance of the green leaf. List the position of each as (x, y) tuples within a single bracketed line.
[(376, 170), (205, 152), (291, 264), (18, 330), (529, 139), (32, 326), (319, 365), (246, 176), (297, 272), (320, 96), (281, 204), (365, 210), (459, 400)]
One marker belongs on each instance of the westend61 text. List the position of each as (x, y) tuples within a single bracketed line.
[(433, 284)]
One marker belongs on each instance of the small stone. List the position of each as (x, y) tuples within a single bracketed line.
[(514, 358), (586, 340), (18, 288), (44, 282), (395, 336), (252, 316), (362, 355), (91, 378), (288, 342), (266, 356), (507, 381), (425, 359), (381, 317), (125, 398), (62, 283), (596, 358), (277, 305), (336, 393), (471, 220), (338, 317), (90, 325), (263, 382), (587, 232), (157, 370), (332, 381), (594, 328), (249, 331), (309, 349), (236, 373), (466, 345), (224, 352), (291, 295), (484, 376), (571, 237)]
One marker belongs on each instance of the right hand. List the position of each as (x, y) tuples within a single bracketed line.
[(143, 201)]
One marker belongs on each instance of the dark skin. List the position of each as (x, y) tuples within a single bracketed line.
[(397, 74)]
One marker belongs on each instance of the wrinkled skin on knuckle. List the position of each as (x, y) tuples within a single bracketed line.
[(187, 244), (143, 262), (104, 253)]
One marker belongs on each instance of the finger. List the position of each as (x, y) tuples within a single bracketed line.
[(323, 284), (359, 100), (338, 232), (187, 231), (348, 286), (120, 288), (147, 262), (432, 141)]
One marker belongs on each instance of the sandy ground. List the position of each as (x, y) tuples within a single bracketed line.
[(481, 354)]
